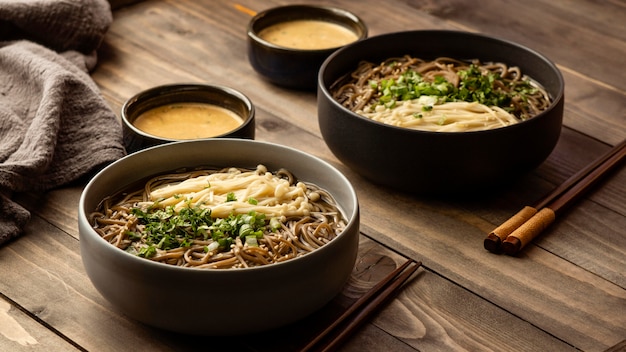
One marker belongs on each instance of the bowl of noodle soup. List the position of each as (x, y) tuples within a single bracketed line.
[(287, 44), (440, 111), (218, 236)]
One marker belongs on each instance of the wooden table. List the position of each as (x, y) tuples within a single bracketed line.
[(565, 292)]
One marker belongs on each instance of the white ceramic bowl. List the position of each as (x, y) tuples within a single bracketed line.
[(218, 302)]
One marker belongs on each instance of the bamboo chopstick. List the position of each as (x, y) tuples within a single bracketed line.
[(495, 239), (358, 313), (531, 228)]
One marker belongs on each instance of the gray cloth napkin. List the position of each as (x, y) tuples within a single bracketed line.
[(55, 127)]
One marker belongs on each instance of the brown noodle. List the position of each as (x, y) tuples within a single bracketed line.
[(356, 92), (304, 226)]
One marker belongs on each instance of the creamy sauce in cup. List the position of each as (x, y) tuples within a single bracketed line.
[(308, 34), (187, 121)]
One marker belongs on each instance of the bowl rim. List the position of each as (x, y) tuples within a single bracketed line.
[(353, 219), (331, 11), (558, 99), (173, 88)]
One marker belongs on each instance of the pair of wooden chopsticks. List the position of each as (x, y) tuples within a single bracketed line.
[(521, 228), (358, 313)]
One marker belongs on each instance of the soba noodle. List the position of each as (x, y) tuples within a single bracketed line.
[(230, 218), (444, 95)]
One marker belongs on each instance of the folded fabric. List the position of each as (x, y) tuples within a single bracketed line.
[(55, 127)]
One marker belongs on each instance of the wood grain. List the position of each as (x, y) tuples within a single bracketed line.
[(581, 35), (565, 291), (20, 332)]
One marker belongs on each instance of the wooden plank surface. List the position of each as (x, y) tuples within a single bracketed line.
[(566, 291), (21, 332)]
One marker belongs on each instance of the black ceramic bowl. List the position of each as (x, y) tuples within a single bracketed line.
[(228, 98), (292, 67), (439, 162)]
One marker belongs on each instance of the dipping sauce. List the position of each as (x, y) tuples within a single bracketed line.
[(308, 34), (187, 121)]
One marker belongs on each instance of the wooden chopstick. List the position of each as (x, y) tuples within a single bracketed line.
[(531, 228), (365, 306), (495, 239), (244, 9)]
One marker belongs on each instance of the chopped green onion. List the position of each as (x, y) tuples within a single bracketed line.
[(213, 246), (275, 224), (252, 241), (474, 86), (147, 252), (168, 229)]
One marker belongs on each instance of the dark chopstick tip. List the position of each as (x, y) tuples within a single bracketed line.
[(511, 245), (493, 243)]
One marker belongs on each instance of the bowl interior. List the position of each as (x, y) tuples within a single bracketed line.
[(431, 44), (304, 12), (224, 97), (222, 152)]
